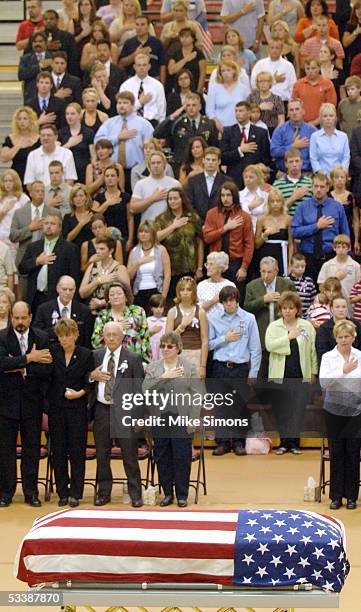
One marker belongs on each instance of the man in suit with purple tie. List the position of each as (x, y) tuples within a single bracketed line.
[(243, 144)]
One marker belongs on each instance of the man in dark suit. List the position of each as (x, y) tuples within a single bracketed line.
[(116, 74), (202, 189), (117, 370), (59, 40), (243, 144), (49, 108), (32, 63), (65, 307), (46, 260), (65, 86), (24, 369), (181, 126), (262, 295)]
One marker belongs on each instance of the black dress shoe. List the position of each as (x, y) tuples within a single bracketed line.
[(33, 501), (4, 502), (63, 501), (335, 504), (166, 501), (182, 503), (73, 502), (351, 504), (137, 503), (239, 450), (221, 450), (101, 500)]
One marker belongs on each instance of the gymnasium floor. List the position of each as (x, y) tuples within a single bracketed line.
[(251, 482)]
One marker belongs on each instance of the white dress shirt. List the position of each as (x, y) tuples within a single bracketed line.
[(210, 178), (25, 335), (34, 214), (57, 78), (246, 197), (101, 385), (37, 165), (156, 107), (281, 66), (61, 306)]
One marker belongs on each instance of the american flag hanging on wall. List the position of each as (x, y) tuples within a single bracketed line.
[(253, 548)]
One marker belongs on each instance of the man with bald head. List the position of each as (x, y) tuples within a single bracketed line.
[(64, 306), (25, 366), (118, 372)]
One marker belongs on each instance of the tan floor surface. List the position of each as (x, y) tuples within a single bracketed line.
[(233, 482)]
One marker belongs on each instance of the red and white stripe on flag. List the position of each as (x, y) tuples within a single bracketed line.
[(207, 42), (129, 546)]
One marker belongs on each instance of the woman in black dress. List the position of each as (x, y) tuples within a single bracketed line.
[(188, 57), (77, 224), (92, 118), (183, 85), (77, 138), (68, 418), (273, 232), (114, 205), (23, 139)]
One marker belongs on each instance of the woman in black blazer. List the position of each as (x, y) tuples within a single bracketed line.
[(68, 418)]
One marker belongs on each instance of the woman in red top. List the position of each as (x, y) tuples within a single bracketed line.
[(228, 228), (307, 26)]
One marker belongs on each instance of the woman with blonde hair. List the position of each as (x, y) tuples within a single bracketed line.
[(224, 94), (12, 197), (68, 13), (77, 224), (340, 374), (7, 300), (91, 117), (188, 320), (273, 232), (245, 57), (123, 27), (99, 79), (291, 52), (140, 171), (271, 105), (328, 146), (77, 138), (229, 53), (148, 266), (99, 31), (23, 139), (290, 11), (253, 197), (340, 180)]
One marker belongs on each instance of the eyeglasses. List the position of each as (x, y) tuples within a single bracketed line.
[(167, 346)]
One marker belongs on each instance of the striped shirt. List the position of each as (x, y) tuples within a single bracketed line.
[(287, 186), (306, 290), (356, 308), (313, 45)]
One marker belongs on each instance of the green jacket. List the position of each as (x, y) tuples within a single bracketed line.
[(255, 291), (278, 345)]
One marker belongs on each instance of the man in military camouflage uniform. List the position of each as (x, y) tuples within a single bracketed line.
[(185, 123)]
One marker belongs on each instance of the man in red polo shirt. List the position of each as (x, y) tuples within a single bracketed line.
[(27, 27), (314, 90)]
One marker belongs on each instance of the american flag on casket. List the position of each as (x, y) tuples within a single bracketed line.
[(251, 548)]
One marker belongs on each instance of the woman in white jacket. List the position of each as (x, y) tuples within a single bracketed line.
[(340, 377)]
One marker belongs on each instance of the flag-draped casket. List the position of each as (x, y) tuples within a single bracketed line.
[(252, 548)]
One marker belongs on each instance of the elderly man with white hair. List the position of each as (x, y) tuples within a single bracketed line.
[(208, 290), (117, 370)]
